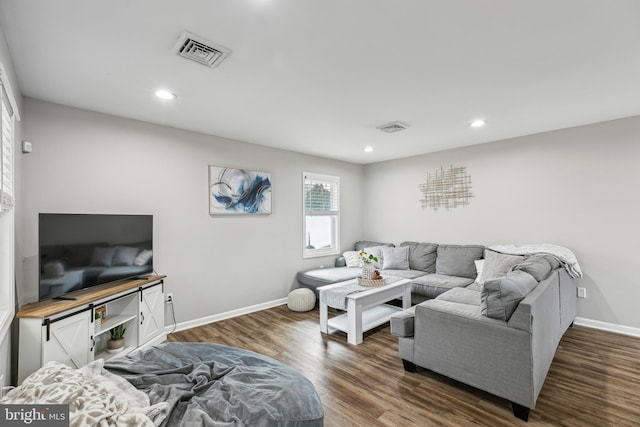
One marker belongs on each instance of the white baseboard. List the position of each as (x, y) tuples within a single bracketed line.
[(605, 326), (222, 316), (581, 321)]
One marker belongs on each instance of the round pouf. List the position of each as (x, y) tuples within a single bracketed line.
[(302, 299)]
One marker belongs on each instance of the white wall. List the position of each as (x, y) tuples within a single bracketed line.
[(575, 187), (94, 163)]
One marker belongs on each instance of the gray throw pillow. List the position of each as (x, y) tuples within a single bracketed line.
[(497, 265), (456, 260), (553, 261), (500, 297), (422, 256), (124, 255), (537, 266), (102, 256), (395, 258), (360, 245)]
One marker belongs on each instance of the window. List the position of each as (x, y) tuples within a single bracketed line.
[(321, 222), (6, 165), (8, 116)]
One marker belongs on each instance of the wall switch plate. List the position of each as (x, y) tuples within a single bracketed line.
[(168, 297), (582, 292)]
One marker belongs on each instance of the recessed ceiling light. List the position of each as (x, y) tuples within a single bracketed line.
[(478, 123), (165, 94), (368, 149)]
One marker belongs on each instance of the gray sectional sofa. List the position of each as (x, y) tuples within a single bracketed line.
[(432, 268), (496, 329)]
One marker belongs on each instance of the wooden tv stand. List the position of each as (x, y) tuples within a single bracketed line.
[(67, 331)]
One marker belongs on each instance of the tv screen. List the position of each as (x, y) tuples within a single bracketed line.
[(78, 251)]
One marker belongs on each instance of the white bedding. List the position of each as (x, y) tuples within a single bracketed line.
[(95, 396)]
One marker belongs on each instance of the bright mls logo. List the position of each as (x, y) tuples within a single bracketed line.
[(34, 415)]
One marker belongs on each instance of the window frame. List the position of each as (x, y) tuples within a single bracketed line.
[(335, 249), (7, 213)]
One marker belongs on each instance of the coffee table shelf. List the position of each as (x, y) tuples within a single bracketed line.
[(371, 318), (366, 309)]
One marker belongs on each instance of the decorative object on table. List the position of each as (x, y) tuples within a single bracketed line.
[(102, 312), (116, 343), (302, 299), (375, 280), (97, 324), (238, 191), (446, 189), (367, 264)]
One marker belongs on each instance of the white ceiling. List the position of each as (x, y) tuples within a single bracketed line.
[(318, 76)]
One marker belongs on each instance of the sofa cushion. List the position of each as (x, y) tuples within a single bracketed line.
[(497, 265), (395, 258), (327, 276), (464, 310), (405, 274), (352, 259), (475, 286), (537, 266), (500, 297), (461, 295), (422, 256), (402, 322), (360, 245), (456, 260), (432, 285)]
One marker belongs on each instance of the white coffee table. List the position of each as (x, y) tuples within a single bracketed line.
[(366, 309)]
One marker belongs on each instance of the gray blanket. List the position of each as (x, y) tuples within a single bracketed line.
[(215, 385)]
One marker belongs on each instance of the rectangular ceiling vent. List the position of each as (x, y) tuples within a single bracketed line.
[(393, 127), (200, 50)]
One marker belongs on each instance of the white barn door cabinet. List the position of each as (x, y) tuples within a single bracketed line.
[(69, 332)]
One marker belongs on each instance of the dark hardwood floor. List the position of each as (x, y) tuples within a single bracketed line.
[(594, 379)]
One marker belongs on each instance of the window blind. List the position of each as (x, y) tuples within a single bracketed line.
[(320, 196), (7, 200)]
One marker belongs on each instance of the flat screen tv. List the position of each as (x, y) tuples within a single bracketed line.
[(77, 251)]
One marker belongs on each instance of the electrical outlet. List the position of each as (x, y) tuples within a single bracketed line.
[(168, 297), (582, 292)]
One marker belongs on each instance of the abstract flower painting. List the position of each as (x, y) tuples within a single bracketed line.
[(238, 191)]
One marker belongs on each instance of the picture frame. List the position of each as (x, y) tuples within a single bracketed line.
[(239, 191)]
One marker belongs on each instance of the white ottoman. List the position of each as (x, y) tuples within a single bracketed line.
[(302, 299)]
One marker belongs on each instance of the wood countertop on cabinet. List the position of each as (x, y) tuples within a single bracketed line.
[(51, 307)]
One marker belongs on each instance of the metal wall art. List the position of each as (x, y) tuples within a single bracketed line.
[(446, 189)]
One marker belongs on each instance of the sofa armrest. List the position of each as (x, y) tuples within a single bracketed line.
[(486, 353), (402, 322)]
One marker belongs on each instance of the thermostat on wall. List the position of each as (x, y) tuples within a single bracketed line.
[(26, 147)]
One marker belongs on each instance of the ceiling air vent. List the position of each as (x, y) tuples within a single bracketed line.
[(393, 127), (200, 50)]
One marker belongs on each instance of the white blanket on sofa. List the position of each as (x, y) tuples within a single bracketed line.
[(566, 257)]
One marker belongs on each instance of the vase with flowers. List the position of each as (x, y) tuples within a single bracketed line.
[(368, 268)]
